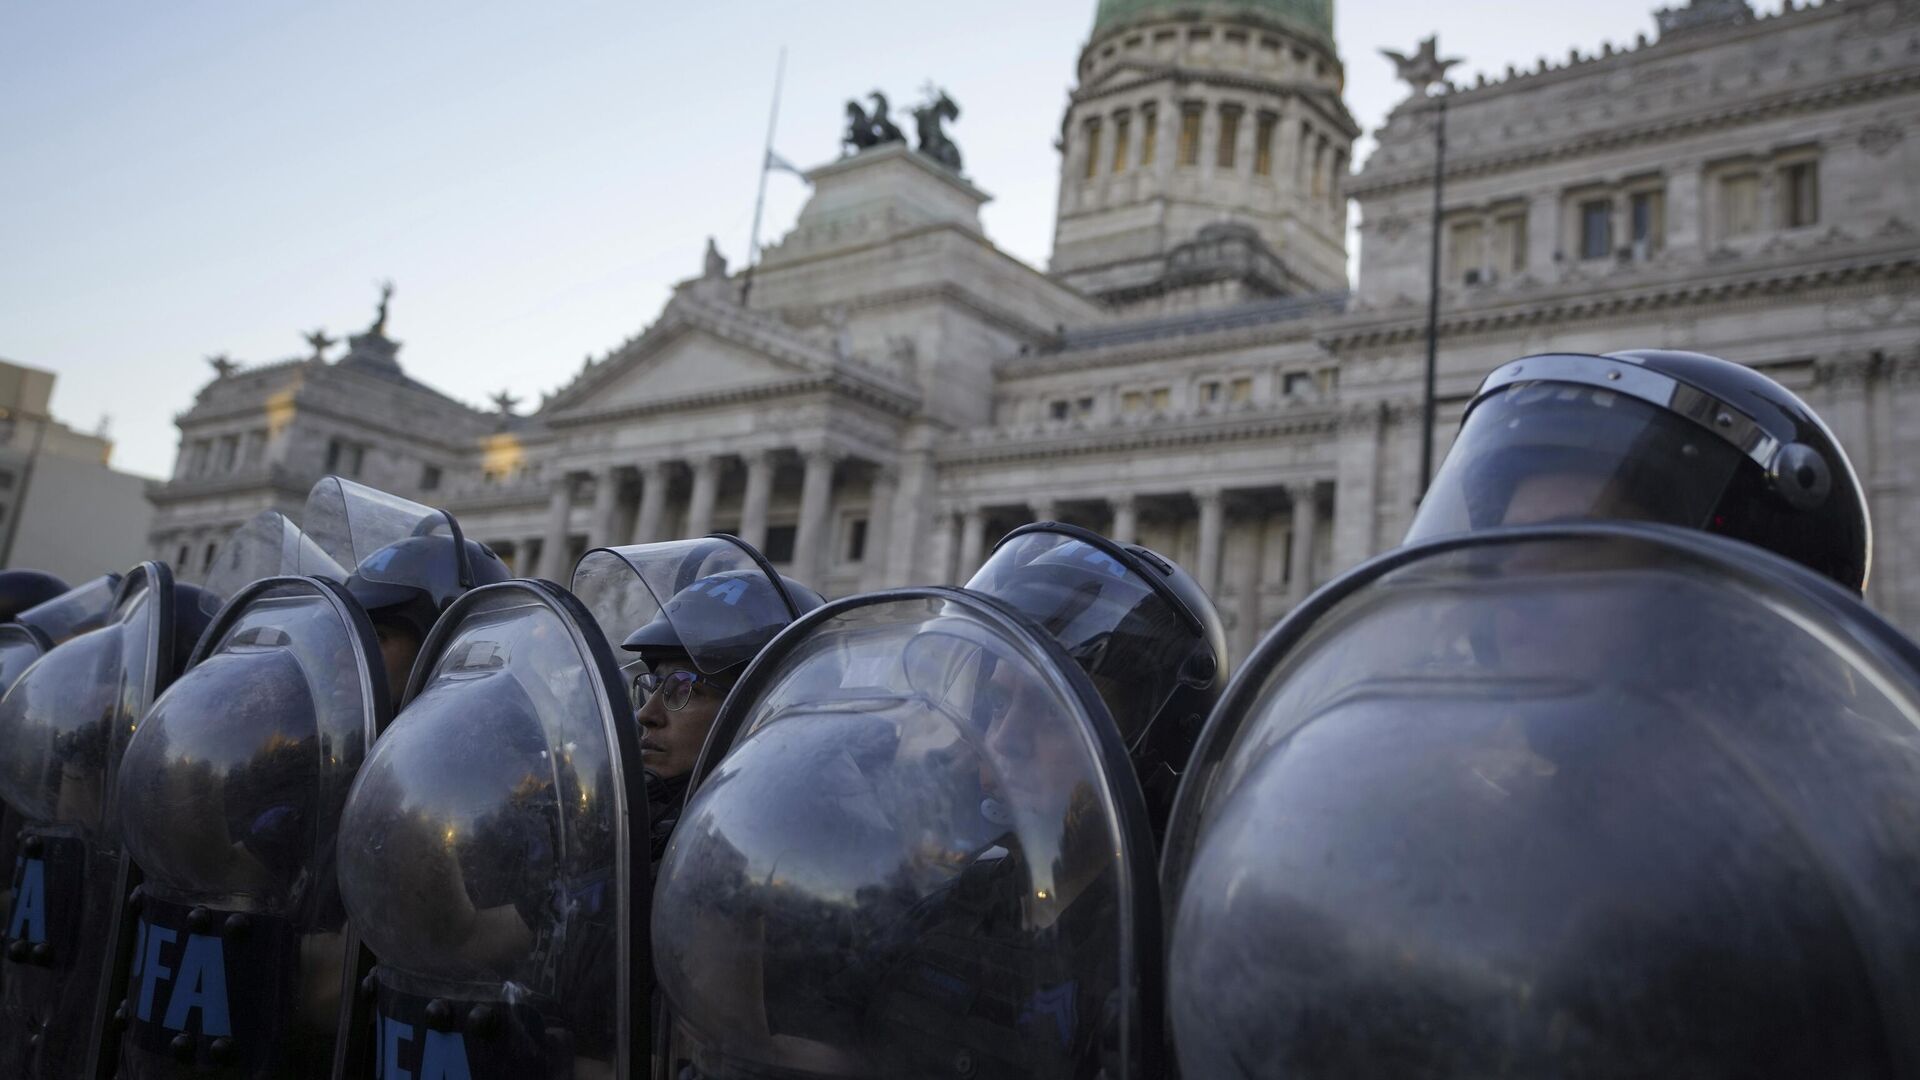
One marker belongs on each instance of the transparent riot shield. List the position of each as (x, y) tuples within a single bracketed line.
[(268, 545), (1593, 800), (915, 847), (230, 794), (493, 852), (346, 524), (63, 727)]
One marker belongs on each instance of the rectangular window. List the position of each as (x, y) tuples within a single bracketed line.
[(356, 458), (1300, 152), (1083, 406), (1263, 144), (1149, 132), (1800, 195), (1190, 133), (856, 540), (1320, 166), (1057, 410), (206, 563), (336, 451), (1160, 399), (1510, 243), (779, 547), (1648, 210), (1241, 392), (1464, 257), (1297, 384), (1337, 179), (430, 478), (1224, 154), (1210, 392), (1093, 148), (229, 453), (1596, 228), (186, 552), (1122, 127), (1740, 205), (1327, 380), (1133, 401), (256, 447)]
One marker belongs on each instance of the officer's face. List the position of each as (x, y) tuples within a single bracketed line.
[(670, 739), (1031, 756), (399, 645)]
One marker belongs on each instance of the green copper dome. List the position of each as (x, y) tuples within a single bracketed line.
[(1311, 17)]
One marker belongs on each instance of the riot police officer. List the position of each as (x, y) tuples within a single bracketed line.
[(917, 844), (232, 786), (1653, 435), (1604, 774), (729, 616)]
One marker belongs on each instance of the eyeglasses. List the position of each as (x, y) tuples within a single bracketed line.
[(675, 688)]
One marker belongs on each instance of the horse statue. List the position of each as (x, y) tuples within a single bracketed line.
[(934, 141), (868, 129)]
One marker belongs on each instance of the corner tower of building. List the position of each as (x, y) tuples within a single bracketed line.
[(1203, 155)]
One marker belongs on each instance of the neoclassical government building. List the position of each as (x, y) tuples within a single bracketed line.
[(1193, 369)]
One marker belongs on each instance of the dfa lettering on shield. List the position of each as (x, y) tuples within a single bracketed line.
[(180, 983), (418, 1052)]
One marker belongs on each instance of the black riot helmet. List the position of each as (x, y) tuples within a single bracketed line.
[(413, 580), (193, 608), (80, 609), (1140, 626), (1679, 438), (22, 589), (738, 612), (715, 601)]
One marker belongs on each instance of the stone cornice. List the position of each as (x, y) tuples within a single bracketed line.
[(270, 478), (1219, 334), (1419, 176), (1398, 325), (842, 383), (1169, 434)]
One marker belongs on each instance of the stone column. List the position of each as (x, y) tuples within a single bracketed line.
[(706, 485), (606, 502), (943, 544), (1043, 509), (1126, 519), (553, 550), (816, 505), (524, 564), (1306, 522), (653, 502), (973, 535), (880, 514), (1212, 524), (1247, 584), (753, 504)]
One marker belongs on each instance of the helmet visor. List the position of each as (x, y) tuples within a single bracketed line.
[(347, 524), (737, 608), (268, 545), (1545, 452), (1128, 637), (76, 611)]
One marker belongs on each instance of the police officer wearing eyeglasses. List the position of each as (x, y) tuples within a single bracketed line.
[(737, 613)]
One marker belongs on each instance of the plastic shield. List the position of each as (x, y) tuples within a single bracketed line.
[(630, 587), (84, 607), (347, 523), (917, 850), (1599, 801), (268, 545), (493, 852), (63, 728), (230, 796)]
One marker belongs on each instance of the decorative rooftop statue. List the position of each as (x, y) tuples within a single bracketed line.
[(379, 327), (868, 129), (934, 142), (321, 343), (1423, 69)]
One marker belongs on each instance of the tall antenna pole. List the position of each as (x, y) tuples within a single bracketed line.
[(1428, 399), (766, 163)]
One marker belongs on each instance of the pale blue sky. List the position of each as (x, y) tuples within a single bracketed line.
[(194, 177)]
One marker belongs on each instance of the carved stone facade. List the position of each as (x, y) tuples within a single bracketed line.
[(898, 392)]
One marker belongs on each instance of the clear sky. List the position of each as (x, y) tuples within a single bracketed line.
[(200, 176)]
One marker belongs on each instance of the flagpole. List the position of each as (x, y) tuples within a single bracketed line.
[(766, 162)]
